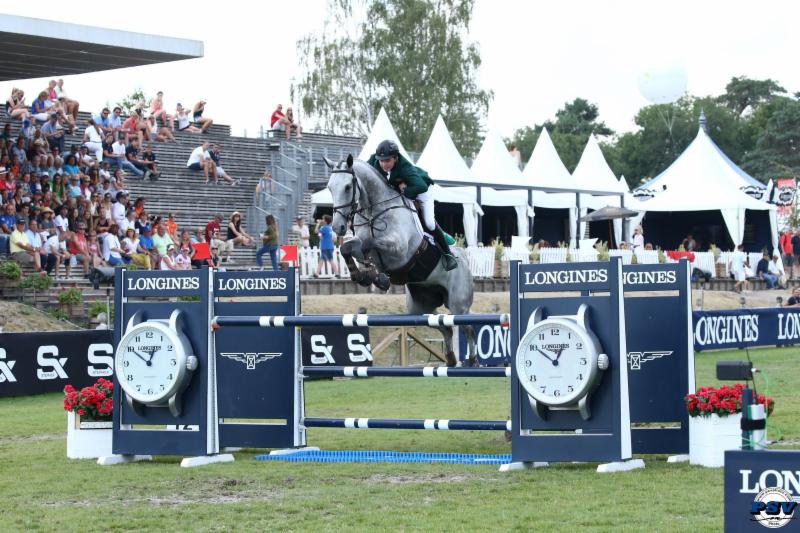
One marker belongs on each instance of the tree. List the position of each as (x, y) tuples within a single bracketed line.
[(570, 132), (742, 93), (136, 99), (408, 56), (777, 151)]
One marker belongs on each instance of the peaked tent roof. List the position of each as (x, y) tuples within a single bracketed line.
[(715, 160), (545, 167), (441, 159), (381, 130), (593, 172), (494, 164)]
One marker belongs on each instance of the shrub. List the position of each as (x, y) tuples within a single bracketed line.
[(59, 314), (71, 296), (10, 270), (602, 250), (40, 281), (98, 306), (535, 253), (92, 403), (499, 248)]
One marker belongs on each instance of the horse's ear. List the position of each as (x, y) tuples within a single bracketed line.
[(349, 160), (328, 162)]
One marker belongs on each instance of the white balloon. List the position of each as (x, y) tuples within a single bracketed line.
[(662, 85)]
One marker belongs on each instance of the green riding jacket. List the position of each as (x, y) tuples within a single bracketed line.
[(417, 180)]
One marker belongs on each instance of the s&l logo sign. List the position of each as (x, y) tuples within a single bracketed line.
[(6, 367), (47, 357)]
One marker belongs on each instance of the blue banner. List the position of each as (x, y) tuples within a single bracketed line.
[(766, 326)]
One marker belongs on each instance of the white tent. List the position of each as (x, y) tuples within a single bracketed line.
[(381, 130), (702, 180)]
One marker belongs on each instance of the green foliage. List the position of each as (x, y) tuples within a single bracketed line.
[(71, 296), (59, 314), (409, 56), (135, 100), (742, 93), (10, 270), (40, 281), (535, 255), (714, 251), (98, 306), (570, 131), (602, 250), (662, 257), (499, 248), (188, 298), (776, 151), (460, 241)]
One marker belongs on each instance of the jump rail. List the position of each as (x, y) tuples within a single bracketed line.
[(268, 321), (407, 423), (423, 372)]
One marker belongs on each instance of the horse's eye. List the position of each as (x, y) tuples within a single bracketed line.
[(347, 187)]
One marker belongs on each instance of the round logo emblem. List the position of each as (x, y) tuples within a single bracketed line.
[(772, 516)]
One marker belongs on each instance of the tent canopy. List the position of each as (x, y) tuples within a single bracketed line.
[(494, 164), (381, 130), (593, 172), (441, 159)]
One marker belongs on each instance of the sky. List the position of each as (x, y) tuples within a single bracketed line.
[(536, 55)]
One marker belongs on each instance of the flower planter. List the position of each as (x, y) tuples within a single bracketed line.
[(87, 440), (710, 436)]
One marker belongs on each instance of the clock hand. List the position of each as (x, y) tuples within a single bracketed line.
[(137, 354), (152, 353), (544, 354), (558, 353)]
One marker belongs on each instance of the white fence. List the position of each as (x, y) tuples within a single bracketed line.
[(482, 264)]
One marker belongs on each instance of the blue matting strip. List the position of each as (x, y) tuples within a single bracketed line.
[(383, 456)]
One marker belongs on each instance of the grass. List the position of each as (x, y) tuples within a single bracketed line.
[(43, 491)]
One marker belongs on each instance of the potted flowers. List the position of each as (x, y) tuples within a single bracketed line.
[(89, 419), (715, 416)]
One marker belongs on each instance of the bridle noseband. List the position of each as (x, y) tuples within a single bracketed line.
[(355, 210)]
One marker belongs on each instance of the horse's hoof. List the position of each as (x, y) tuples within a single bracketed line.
[(382, 282), (450, 359)]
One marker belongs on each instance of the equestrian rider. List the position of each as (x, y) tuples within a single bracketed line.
[(413, 183)]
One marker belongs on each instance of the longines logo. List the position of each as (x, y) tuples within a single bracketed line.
[(251, 284), (599, 275), (251, 359), (163, 284), (649, 278), (637, 359)]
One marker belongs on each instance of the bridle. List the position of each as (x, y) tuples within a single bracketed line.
[(365, 212)]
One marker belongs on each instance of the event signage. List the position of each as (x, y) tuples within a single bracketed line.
[(334, 346), (770, 326), (762, 490), (36, 363), (140, 284)]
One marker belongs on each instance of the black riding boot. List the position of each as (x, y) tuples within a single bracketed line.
[(450, 262)]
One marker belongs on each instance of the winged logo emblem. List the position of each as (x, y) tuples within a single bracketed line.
[(637, 359), (251, 359)]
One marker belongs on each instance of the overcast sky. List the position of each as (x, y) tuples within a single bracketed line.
[(536, 55)]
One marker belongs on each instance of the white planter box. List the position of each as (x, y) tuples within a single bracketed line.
[(711, 436), (87, 440)]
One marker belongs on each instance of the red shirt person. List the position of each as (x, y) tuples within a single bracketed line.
[(276, 116)]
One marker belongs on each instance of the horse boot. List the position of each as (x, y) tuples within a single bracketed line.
[(450, 262), (382, 282)]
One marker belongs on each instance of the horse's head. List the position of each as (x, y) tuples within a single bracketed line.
[(344, 191)]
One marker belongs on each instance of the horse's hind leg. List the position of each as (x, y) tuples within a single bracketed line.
[(425, 300)]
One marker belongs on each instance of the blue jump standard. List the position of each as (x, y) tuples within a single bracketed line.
[(384, 456), (422, 372), (359, 320), (408, 423)]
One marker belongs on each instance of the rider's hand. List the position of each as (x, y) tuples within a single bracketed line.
[(402, 187)]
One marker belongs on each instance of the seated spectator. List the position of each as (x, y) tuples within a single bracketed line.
[(215, 260), (200, 160), (103, 121), (168, 259), (762, 271), (236, 233), (21, 250), (776, 269), (198, 118), (71, 106), (57, 253), (293, 126), (147, 247), (278, 120), (215, 157), (183, 261), (16, 107), (120, 157), (794, 299), (116, 120), (113, 254), (61, 221), (149, 156), (132, 154), (136, 125), (139, 255), (35, 240), (202, 253), (157, 111), (95, 250), (159, 134), (265, 185), (162, 240), (39, 108), (93, 139), (78, 247), (184, 123), (40, 146), (172, 227), (71, 165)]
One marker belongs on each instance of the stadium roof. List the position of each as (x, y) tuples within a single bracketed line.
[(36, 48)]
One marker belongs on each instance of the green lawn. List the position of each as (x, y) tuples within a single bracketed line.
[(41, 490)]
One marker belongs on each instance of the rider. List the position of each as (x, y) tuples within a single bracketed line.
[(413, 183)]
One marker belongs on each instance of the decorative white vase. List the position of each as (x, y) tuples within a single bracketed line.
[(87, 440), (711, 436)]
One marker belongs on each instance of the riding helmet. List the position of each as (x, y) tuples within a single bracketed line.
[(386, 149)]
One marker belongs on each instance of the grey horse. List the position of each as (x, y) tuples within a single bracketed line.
[(387, 234)]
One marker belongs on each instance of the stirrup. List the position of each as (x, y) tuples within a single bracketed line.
[(450, 262)]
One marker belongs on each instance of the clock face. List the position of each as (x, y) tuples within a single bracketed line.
[(150, 363), (556, 362)]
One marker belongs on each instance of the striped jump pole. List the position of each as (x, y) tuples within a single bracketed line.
[(408, 423), (423, 372), (433, 320)]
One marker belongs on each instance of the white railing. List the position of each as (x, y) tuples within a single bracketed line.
[(647, 257), (626, 255), (481, 261)]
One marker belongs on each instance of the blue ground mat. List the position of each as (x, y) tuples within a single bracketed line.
[(385, 456)]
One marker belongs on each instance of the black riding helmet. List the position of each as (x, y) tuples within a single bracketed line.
[(386, 149)]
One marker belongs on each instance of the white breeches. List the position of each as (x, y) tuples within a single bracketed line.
[(426, 201)]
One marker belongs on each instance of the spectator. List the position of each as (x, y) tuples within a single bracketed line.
[(113, 254), (168, 259), (300, 232), (795, 251), (57, 253), (116, 120), (15, 105), (136, 125), (794, 299), (94, 250), (202, 253), (54, 133), (93, 139), (214, 259), (62, 220), (184, 124), (225, 247), (279, 122), (236, 233), (120, 157), (40, 146), (737, 269), (213, 226), (515, 155), (199, 160), (198, 118), (762, 271), (269, 241), (326, 246), (34, 235), (149, 156), (71, 106), (159, 134), (21, 250), (183, 261), (132, 154), (265, 185), (104, 122), (147, 246), (138, 208), (638, 239), (157, 111), (776, 269), (690, 245), (172, 227), (215, 157), (138, 255), (162, 241), (293, 125), (39, 108), (785, 245), (78, 247)]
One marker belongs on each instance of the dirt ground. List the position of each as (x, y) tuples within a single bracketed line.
[(24, 318)]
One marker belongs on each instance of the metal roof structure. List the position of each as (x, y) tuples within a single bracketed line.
[(36, 48)]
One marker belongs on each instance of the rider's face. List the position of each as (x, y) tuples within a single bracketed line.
[(388, 164)]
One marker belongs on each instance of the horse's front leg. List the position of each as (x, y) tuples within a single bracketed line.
[(352, 252), (449, 354)]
